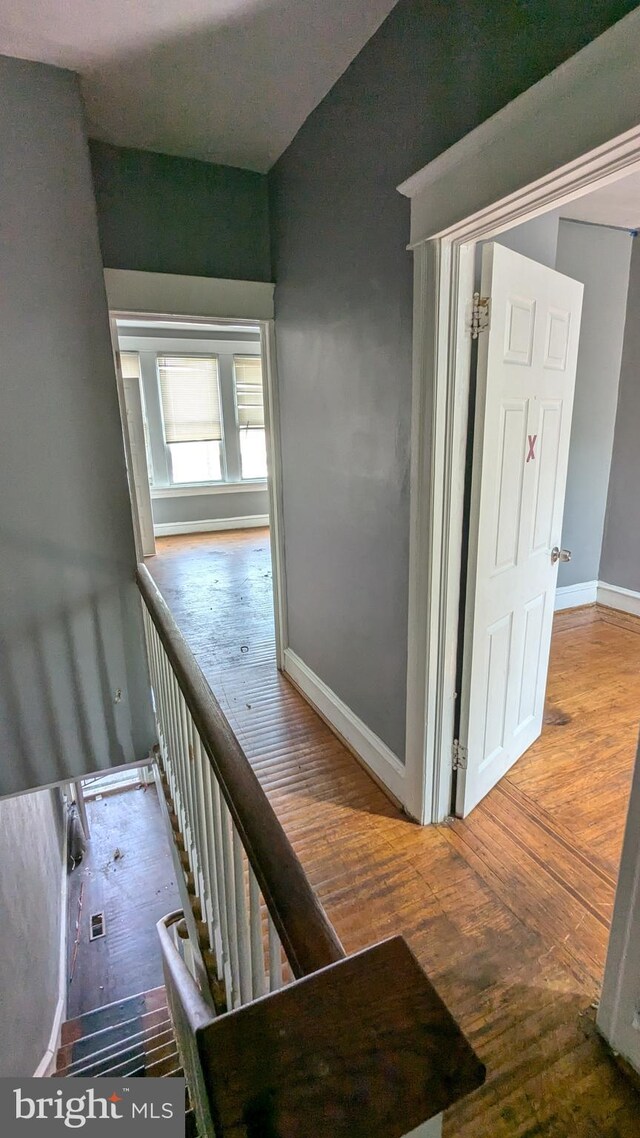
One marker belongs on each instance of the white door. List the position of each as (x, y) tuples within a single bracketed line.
[(525, 382)]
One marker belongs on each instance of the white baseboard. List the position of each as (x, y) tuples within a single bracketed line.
[(615, 597), (47, 1064), (375, 754), (570, 596), (210, 525)]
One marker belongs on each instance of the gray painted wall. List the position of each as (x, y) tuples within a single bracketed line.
[(176, 215), (31, 851), (432, 72), (70, 626), (599, 257), (537, 239), (210, 507), (620, 561)]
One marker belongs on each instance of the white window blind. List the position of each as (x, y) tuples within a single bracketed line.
[(190, 394), (249, 399)]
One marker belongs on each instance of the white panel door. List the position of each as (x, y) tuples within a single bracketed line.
[(525, 383)]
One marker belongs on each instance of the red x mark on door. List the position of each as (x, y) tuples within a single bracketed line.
[(532, 445)]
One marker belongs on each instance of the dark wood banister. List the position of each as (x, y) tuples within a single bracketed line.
[(308, 938), (362, 1049)]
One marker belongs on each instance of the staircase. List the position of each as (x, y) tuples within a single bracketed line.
[(131, 1037)]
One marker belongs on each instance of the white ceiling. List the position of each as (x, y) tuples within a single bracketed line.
[(223, 80), (615, 204)]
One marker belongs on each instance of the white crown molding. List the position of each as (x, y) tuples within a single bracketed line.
[(516, 147)]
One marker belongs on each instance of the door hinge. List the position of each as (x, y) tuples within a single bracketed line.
[(459, 756), (479, 315)]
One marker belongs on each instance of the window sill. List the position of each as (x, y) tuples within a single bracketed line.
[(208, 488)]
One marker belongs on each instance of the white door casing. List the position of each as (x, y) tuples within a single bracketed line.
[(134, 416), (525, 385)]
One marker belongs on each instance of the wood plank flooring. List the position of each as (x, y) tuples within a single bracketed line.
[(508, 911), (134, 890)]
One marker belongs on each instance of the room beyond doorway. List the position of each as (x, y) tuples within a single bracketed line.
[(219, 589)]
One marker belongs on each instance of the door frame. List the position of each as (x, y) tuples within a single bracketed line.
[(574, 131), (134, 457), (472, 193), (197, 300)]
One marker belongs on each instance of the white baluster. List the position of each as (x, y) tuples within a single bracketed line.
[(242, 920), (188, 760), (172, 741), (212, 857), (230, 902), (204, 837), (258, 976), (225, 930)]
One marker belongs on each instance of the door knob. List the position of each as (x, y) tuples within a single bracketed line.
[(558, 554)]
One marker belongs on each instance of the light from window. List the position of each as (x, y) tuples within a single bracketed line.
[(191, 415), (195, 462), (250, 416), (253, 453)]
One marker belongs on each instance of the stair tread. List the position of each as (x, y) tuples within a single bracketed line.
[(80, 1050), (109, 1015), (139, 1045)]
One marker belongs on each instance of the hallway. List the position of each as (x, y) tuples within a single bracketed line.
[(507, 911), (127, 873)]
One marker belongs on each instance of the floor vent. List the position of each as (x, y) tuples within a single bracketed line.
[(97, 928)]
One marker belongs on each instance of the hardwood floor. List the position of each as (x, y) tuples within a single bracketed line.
[(127, 873), (508, 911)]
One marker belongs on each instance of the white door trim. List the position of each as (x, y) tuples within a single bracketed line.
[(444, 262), (247, 303), (274, 486)]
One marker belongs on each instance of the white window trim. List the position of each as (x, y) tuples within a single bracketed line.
[(200, 347), (188, 491)]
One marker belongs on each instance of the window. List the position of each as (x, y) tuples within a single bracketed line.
[(190, 397), (247, 372)]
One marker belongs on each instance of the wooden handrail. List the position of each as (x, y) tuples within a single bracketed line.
[(190, 1016), (196, 1010), (308, 938), (363, 1049)]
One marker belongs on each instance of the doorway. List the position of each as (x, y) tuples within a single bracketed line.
[(198, 412), (541, 152), (446, 280), (544, 510)]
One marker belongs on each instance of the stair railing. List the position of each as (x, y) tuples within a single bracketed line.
[(313, 1042), (257, 900)]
